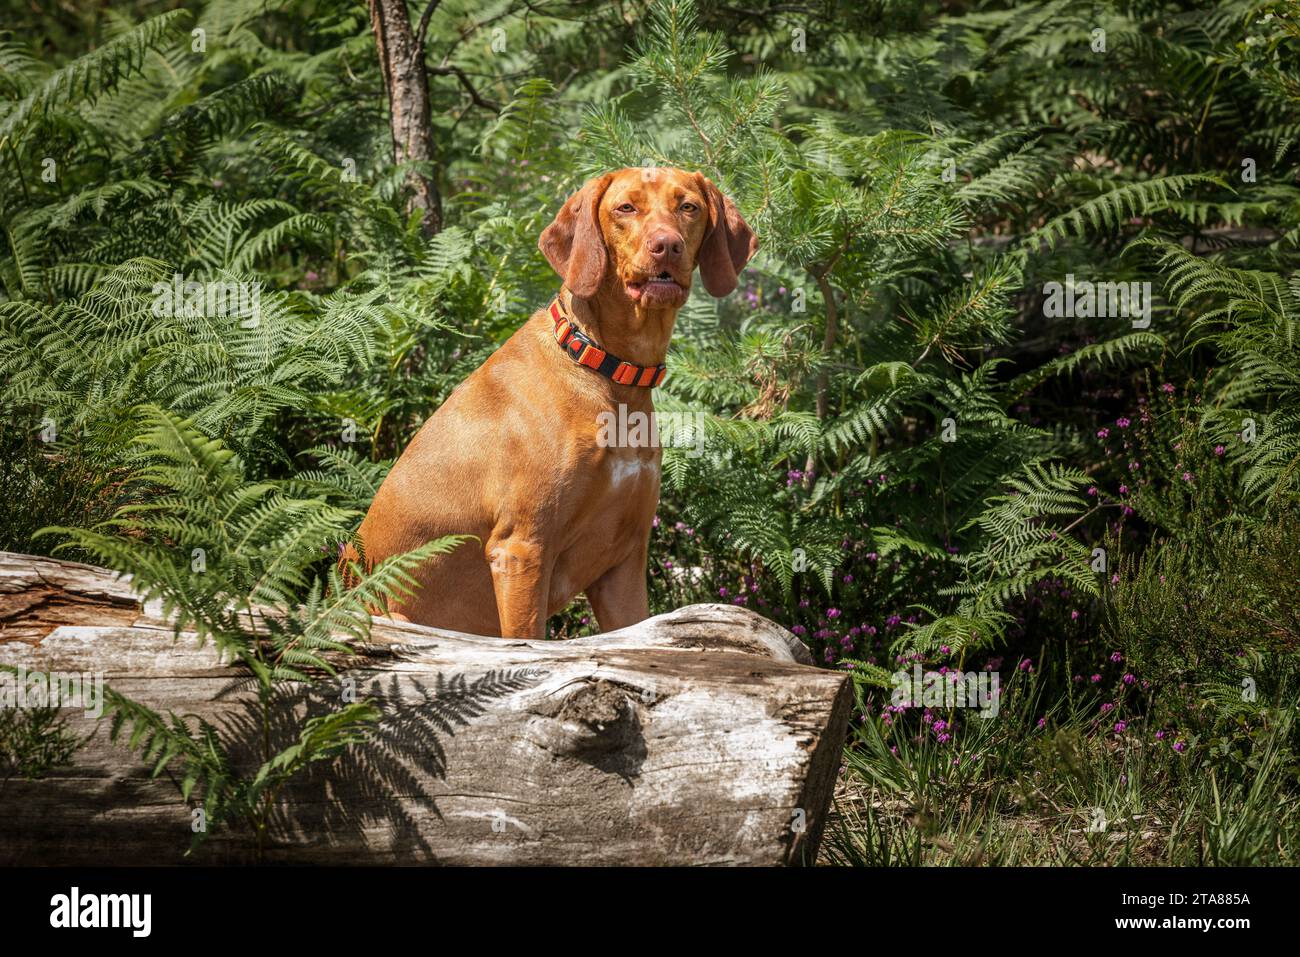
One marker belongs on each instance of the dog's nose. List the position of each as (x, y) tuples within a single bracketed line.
[(663, 243)]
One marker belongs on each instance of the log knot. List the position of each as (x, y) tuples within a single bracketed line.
[(596, 716)]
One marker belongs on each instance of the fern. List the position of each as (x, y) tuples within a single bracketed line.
[(232, 562)]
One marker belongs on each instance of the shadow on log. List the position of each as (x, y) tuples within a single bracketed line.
[(702, 736)]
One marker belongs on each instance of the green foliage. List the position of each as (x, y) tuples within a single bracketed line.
[(1206, 606), (901, 452), (192, 751), (33, 741), (232, 561)]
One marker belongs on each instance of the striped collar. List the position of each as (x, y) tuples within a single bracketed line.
[(583, 350)]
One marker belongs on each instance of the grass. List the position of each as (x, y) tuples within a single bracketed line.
[(1008, 792)]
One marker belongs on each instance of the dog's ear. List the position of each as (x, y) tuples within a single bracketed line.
[(573, 245), (728, 244)]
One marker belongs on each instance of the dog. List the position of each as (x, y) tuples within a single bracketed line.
[(513, 458)]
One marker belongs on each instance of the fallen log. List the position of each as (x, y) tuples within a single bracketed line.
[(697, 737)]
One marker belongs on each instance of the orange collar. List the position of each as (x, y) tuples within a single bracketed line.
[(583, 350)]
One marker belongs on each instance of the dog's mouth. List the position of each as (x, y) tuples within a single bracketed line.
[(661, 288)]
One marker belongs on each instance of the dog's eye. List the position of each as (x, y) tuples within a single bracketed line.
[(627, 208), (689, 207)]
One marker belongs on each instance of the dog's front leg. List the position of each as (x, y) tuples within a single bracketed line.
[(521, 580), (619, 597)]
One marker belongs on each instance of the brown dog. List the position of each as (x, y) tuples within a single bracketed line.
[(513, 455)]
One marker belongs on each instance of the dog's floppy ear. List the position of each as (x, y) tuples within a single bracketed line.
[(727, 245), (573, 244)]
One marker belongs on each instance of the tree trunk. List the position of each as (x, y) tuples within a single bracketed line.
[(402, 62), (698, 737)]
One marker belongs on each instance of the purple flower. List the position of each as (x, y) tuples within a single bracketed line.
[(1103, 433), (1129, 679), (1122, 422), (1042, 722), (832, 613), (1108, 706), (1116, 657), (1219, 450), (1120, 726), (1180, 746), (1187, 476), (1096, 679), (1167, 388)]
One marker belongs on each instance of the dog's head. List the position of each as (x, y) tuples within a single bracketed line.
[(642, 232)]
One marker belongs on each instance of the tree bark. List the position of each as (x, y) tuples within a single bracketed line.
[(401, 60), (698, 737)]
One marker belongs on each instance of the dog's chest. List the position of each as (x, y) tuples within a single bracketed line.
[(626, 480), (610, 522), (618, 500), (631, 471)]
